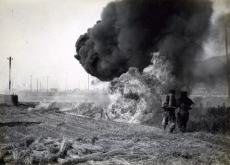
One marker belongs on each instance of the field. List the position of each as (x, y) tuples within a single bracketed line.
[(51, 136)]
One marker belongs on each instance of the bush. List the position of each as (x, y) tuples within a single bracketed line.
[(89, 109), (214, 120)]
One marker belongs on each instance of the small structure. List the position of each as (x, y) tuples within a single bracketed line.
[(9, 99)]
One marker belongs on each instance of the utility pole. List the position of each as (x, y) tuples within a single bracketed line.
[(227, 56), (31, 83), (37, 85), (66, 82), (88, 82), (40, 85), (10, 61), (47, 84)]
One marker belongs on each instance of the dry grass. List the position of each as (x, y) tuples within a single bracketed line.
[(210, 119), (84, 141)]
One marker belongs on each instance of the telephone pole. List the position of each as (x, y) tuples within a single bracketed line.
[(40, 85), (88, 82), (31, 83), (66, 82), (227, 56), (47, 83), (10, 61), (37, 85)]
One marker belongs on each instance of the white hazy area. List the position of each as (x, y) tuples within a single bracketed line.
[(40, 35), (216, 46)]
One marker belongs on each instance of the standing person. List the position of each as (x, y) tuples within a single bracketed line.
[(169, 106), (184, 104)]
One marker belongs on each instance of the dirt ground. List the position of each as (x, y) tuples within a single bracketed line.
[(55, 137)]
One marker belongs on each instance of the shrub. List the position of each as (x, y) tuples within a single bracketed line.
[(214, 120)]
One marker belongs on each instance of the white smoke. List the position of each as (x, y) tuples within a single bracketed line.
[(220, 7), (214, 45)]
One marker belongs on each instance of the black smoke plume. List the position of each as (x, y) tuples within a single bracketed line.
[(130, 30)]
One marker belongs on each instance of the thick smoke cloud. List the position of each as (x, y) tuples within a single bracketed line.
[(130, 30)]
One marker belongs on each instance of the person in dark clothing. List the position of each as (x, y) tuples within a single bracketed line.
[(169, 106), (184, 104)]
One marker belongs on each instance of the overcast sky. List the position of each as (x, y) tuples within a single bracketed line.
[(40, 35)]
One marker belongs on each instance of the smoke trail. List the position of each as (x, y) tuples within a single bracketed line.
[(130, 30)]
